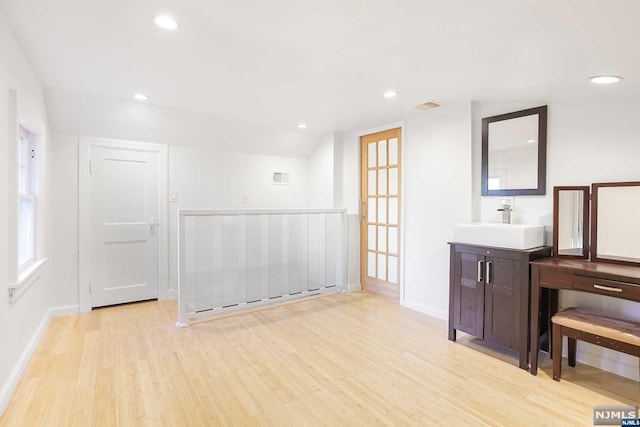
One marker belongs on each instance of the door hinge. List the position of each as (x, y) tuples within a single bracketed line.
[(90, 172)]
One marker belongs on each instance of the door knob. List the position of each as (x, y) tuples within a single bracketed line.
[(152, 225)]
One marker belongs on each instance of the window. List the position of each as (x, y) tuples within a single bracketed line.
[(26, 198)]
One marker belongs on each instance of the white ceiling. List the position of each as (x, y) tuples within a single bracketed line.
[(326, 63)]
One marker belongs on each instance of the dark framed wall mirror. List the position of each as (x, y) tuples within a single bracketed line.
[(615, 222), (514, 153), (571, 222)]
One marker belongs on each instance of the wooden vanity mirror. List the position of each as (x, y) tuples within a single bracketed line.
[(514, 153), (615, 222), (570, 217)]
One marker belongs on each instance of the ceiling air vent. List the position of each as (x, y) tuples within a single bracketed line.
[(281, 178), (427, 106)]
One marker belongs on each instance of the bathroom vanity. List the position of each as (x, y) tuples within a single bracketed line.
[(489, 294)]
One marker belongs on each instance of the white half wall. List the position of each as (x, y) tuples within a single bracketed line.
[(215, 179)]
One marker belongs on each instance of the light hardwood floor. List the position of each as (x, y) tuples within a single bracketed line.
[(352, 359)]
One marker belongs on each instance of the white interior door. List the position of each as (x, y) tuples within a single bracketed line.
[(124, 220)]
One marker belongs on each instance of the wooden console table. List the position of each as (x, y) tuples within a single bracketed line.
[(549, 275)]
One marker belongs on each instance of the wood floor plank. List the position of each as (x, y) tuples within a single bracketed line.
[(342, 360)]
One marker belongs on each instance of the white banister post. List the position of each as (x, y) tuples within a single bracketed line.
[(344, 256), (182, 322)]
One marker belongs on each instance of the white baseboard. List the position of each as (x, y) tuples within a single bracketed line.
[(12, 382), (425, 309), (63, 311), (171, 294), (353, 287)]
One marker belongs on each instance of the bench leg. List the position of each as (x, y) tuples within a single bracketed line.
[(571, 350), (556, 349)]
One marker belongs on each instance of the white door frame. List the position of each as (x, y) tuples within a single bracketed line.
[(85, 144)]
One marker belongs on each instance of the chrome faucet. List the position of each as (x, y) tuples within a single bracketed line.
[(506, 213)]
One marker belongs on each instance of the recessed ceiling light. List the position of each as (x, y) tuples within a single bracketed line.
[(603, 80), (390, 94), (302, 126), (530, 141), (166, 22), (141, 97)]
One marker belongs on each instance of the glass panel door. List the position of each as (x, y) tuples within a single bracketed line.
[(380, 215)]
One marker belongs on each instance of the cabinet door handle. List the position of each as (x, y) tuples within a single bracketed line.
[(480, 270), (607, 288), (488, 272)]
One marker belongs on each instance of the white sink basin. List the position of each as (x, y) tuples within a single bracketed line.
[(514, 236)]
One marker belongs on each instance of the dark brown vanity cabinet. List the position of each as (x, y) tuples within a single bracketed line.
[(489, 294)]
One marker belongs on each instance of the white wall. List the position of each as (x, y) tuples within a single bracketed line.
[(587, 143), (437, 194), (63, 186), (436, 177), (350, 145), (22, 322), (326, 188), (338, 170), (321, 174)]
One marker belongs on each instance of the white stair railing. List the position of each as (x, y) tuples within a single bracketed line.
[(230, 260)]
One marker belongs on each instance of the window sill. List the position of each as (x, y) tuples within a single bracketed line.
[(25, 279)]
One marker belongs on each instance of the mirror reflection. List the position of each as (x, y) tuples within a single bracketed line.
[(514, 147), (570, 216), (513, 153), (570, 222), (616, 235)]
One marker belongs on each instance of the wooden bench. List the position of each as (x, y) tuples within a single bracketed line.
[(576, 324)]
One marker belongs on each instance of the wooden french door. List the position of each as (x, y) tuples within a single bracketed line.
[(380, 168)]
